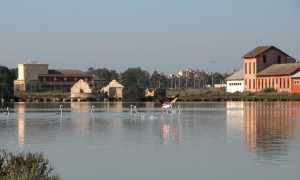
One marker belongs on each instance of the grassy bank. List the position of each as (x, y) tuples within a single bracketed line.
[(222, 95)]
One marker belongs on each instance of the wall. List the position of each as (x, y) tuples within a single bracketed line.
[(233, 86)]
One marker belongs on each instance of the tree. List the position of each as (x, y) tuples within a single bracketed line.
[(104, 73), (154, 80), (135, 78), (7, 78)]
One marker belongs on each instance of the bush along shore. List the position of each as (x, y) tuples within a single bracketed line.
[(29, 166), (222, 95), (211, 94)]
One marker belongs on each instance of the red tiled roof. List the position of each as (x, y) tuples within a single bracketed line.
[(280, 69), (258, 50)]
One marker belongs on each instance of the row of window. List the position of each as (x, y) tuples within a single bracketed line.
[(268, 83), (65, 79), (235, 84), (248, 68)]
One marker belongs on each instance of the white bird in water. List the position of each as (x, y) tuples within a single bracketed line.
[(93, 109), (133, 109), (6, 113), (60, 107)]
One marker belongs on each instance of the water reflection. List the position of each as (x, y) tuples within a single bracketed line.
[(269, 128)]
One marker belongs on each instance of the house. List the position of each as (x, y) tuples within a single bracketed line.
[(277, 76), (190, 73), (114, 90), (259, 59), (83, 90), (35, 76), (235, 82)]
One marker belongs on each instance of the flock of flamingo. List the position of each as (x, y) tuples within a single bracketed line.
[(133, 108)]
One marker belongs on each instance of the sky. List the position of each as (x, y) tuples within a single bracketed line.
[(155, 35)]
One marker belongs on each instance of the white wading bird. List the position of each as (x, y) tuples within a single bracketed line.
[(7, 111), (60, 107)]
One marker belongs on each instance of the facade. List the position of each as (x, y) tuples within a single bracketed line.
[(28, 76), (295, 82), (277, 76), (35, 76), (62, 80), (235, 82), (259, 59), (114, 90)]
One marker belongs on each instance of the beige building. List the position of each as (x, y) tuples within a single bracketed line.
[(113, 90), (28, 76), (35, 76)]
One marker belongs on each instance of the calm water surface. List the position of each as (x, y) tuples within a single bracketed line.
[(226, 140)]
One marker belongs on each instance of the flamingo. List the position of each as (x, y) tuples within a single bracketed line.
[(60, 107), (93, 109), (133, 109), (166, 105), (7, 112)]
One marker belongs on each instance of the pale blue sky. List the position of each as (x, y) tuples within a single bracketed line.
[(162, 35)]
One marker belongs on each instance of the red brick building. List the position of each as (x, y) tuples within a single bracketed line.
[(268, 67)]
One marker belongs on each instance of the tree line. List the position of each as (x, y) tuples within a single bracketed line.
[(131, 78), (139, 78)]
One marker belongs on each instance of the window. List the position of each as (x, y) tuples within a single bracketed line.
[(245, 81), (264, 59), (245, 68), (253, 67), (278, 59), (249, 67), (258, 83), (253, 83), (297, 82), (288, 83), (249, 83)]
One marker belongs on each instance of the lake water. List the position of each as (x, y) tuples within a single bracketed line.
[(204, 140)]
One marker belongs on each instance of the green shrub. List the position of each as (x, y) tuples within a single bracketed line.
[(268, 90), (25, 166)]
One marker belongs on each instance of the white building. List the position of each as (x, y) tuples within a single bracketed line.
[(235, 82)]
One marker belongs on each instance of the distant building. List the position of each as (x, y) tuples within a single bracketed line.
[(35, 76), (190, 73)]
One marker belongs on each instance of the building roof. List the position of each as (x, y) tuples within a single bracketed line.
[(297, 75), (239, 75), (34, 62), (260, 49), (280, 69), (66, 72)]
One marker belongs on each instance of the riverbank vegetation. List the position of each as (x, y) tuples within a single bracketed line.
[(25, 166), (214, 94)]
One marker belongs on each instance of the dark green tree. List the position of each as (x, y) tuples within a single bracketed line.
[(135, 78), (103, 73), (7, 78)]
